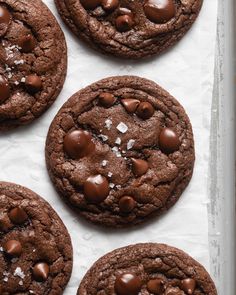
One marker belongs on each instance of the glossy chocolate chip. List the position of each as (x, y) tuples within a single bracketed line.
[(127, 204), (124, 23), (130, 104), (33, 83), (159, 11), (156, 286), (13, 248), (5, 19), (110, 5), (41, 271), (168, 141), (96, 189), (17, 215), (145, 110), (188, 285), (90, 4), (26, 43), (128, 284), (139, 166), (106, 99), (4, 89), (78, 144)]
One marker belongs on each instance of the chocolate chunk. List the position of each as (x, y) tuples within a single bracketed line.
[(169, 141), (5, 20), (130, 104), (188, 286), (78, 144), (90, 4), (41, 271), (110, 5), (124, 23), (128, 284), (145, 110), (96, 189), (156, 286), (17, 215), (13, 248), (127, 204), (159, 11), (26, 43), (4, 89), (106, 99), (33, 83), (139, 166)]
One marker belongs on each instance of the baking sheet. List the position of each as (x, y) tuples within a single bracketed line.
[(187, 72)]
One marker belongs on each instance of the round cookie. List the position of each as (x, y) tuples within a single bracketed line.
[(147, 269), (120, 151), (129, 29), (33, 61), (35, 247)]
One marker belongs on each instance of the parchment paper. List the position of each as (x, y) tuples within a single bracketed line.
[(187, 72)]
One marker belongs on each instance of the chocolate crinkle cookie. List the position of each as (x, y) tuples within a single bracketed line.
[(35, 247), (144, 269), (33, 61), (120, 151), (127, 28)]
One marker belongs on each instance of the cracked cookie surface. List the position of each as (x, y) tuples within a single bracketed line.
[(147, 269), (33, 61), (34, 258), (129, 29), (120, 151)]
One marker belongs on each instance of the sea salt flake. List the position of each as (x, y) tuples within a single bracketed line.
[(19, 62), (5, 279), (111, 185), (104, 163), (130, 144), (110, 174), (21, 283), (23, 79), (103, 137), (108, 124), (118, 141), (19, 273), (1, 249), (122, 127)]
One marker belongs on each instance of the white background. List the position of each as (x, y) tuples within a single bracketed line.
[(187, 72)]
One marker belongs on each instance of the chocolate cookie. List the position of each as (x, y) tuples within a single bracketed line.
[(33, 61), (35, 247), (129, 29), (147, 269), (121, 150)]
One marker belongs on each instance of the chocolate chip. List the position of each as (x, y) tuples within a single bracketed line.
[(13, 248), (110, 5), (78, 144), (128, 284), (96, 189), (17, 215), (26, 43), (33, 83), (159, 11), (41, 271), (106, 99), (5, 19), (188, 285), (130, 104), (90, 4), (127, 204), (145, 110), (124, 23), (156, 286), (139, 166), (4, 89), (168, 141)]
